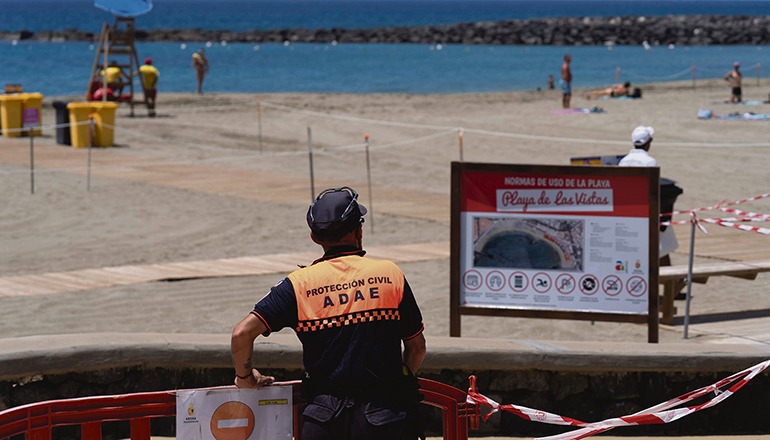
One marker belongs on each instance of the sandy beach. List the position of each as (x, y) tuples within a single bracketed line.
[(219, 176)]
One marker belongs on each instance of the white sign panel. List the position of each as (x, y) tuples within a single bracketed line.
[(563, 200), (235, 414), (554, 262)]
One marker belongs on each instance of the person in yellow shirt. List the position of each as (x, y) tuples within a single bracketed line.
[(113, 75), (149, 76)]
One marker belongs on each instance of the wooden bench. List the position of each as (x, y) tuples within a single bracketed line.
[(674, 278)]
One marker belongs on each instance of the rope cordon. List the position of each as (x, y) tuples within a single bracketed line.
[(493, 133), (665, 412)]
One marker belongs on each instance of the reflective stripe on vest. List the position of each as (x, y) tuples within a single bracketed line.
[(347, 290)]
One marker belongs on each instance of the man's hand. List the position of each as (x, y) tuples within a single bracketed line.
[(254, 380), (242, 349)]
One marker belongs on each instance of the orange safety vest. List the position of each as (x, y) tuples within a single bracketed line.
[(347, 290)]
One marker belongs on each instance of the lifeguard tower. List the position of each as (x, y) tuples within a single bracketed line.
[(116, 49)]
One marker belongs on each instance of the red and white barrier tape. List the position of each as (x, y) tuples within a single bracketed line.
[(725, 222), (740, 219), (758, 230), (752, 215), (720, 205), (745, 216), (655, 415), (750, 199), (717, 220)]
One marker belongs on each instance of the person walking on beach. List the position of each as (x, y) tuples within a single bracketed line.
[(734, 78), (149, 75), (201, 65), (565, 83), (351, 314)]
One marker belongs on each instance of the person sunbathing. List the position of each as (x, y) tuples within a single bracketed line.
[(613, 92)]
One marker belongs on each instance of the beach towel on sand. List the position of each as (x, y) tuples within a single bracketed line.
[(618, 98), (705, 113), (748, 102), (577, 111)]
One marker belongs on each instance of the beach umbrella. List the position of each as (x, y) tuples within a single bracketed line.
[(125, 8)]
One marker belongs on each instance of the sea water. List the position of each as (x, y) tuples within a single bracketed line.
[(242, 15), (62, 68)]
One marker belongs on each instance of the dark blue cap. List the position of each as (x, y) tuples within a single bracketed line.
[(333, 209)]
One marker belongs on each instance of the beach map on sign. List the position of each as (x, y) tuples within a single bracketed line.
[(528, 243)]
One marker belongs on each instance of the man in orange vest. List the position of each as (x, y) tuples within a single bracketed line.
[(352, 315)]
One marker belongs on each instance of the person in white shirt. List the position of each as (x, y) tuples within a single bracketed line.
[(639, 156)]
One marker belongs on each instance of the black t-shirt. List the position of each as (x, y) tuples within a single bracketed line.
[(351, 314)]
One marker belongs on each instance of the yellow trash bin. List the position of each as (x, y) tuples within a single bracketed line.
[(79, 126), (10, 114), (32, 112), (104, 118)]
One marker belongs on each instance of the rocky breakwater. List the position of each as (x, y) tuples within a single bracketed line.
[(628, 30)]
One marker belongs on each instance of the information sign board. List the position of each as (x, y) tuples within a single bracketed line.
[(571, 242)]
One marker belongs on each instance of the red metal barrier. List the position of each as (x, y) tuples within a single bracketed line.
[(37, 420)]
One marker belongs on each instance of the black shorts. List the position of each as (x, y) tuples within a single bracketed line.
[(329, 417)]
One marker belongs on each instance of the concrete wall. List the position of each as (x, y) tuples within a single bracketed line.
[(587, 381)]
